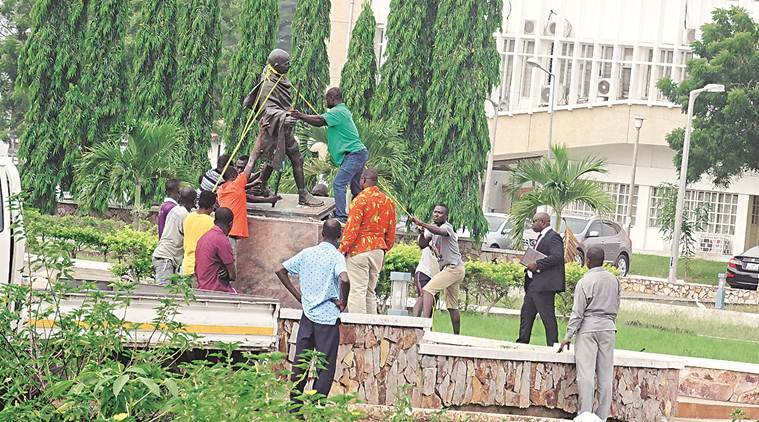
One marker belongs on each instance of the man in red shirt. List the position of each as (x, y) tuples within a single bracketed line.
[(214, 260), (368, 235), (232, 193)]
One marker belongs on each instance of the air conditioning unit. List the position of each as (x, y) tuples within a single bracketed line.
[(529, 27), (604, 87), (689, 36), (550, 29), (560, 95)]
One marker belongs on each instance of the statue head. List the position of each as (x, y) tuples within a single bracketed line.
[(279, 60)]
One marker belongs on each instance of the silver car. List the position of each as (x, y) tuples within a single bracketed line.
[(594, 231), (498, 236)]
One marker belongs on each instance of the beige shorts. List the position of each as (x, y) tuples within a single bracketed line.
[(448, 279)]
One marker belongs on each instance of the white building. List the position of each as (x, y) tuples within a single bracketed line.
[(608, 56)]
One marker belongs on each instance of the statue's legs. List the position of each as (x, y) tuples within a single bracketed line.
[(296, 159)]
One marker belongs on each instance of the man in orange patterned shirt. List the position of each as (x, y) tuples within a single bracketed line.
[(368, 235)]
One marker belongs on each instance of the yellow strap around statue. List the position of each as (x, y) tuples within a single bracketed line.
[(251, 118)]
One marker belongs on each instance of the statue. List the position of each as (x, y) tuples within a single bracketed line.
[(272, 96)]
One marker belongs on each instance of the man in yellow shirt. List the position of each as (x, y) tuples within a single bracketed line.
[(196, 224)]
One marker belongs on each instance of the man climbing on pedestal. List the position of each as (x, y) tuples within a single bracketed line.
[(272, 96)]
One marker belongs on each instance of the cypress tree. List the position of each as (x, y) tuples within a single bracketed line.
[(405, 76), (310, 65), (94, 108), (258, 32), (464, 70), (198, 49), (47, 67), (155, 65), (359, 76)]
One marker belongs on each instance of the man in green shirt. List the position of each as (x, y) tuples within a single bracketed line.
[(344, 145)]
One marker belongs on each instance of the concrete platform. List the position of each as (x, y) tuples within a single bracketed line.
[(699, 409), (288, 207)]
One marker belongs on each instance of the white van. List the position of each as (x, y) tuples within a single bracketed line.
[(11, 248)]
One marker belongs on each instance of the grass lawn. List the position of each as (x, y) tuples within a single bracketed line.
[(671, 335), (699, 270)]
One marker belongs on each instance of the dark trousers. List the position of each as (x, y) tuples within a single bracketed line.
[(324, 339), (538, 303)]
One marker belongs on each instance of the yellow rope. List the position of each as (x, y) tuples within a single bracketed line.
[(251, 118), (305, 100), (392, 198)]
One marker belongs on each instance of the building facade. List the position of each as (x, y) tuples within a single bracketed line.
[(607, 56)]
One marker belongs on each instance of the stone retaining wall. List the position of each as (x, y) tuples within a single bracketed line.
[(720, 385), (690, 291), (374, 361)]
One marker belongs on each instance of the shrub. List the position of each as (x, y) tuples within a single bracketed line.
[(133, 249), (491, 281)]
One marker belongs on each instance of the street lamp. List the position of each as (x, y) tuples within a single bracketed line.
[(532, 61), (637, 123), (491, 111), (675, 251)]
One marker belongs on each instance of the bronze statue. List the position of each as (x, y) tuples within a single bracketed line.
[(272, 96)]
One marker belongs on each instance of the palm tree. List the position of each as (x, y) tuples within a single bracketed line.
[(130, 168), (558, 183), (388, 154)]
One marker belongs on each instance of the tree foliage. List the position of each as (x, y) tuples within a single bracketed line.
[(46, 70), (558, 183), (93, 108), (695, 219), (464, 70), (198, 50), (725, 125), (405, 75), (155, 65), (359, 76), (310, 65), (257, 26), (14, 22), (130, 174)]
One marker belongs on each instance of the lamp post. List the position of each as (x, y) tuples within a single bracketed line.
[(675, 251), (532, 61), (637, 123), (491, 110)]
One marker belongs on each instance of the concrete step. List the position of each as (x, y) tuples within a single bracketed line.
[(700, 409)]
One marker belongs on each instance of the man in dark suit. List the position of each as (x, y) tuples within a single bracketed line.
[(543, 279)]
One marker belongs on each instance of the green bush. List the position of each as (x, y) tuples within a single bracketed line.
[(490, 281), (133, 249), (573, 273)]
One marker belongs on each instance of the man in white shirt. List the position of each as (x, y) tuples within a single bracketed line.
[(168, 255), (426, 269)]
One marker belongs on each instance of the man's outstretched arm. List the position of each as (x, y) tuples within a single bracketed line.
[(311, 119)]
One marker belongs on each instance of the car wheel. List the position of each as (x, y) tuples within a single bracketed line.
[(495, 246), (580, 257), (623, 263)]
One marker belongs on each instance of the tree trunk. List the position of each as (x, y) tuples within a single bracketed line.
[(558, 219), (137, 210)]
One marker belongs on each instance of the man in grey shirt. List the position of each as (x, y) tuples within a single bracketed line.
[(168, 255), (596, 304), (442, 240)]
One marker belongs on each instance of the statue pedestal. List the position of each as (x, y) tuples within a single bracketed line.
[(276, 234)]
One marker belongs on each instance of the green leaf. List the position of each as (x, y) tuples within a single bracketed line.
[(136, 370), (172, 386), (119, 384), (152, 386)]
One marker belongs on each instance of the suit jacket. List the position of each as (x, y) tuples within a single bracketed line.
[(549, 277)]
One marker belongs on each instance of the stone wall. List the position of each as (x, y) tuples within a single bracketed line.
[(690, 291), (720, 385), (374, 361)]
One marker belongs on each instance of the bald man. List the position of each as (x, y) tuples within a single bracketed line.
[(169, 253), (596, 304), (543, 279)]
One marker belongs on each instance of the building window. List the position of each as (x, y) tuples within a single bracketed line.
[(585, 67), (528, 49), (607, 54), (723, 208), (755, 210), (507, 68), (380, 42), (664, 69), (564, 73), (619, 193), (625, 73)]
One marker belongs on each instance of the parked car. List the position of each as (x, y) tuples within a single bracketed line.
[(593, 231), (497, 236), (743, 270)]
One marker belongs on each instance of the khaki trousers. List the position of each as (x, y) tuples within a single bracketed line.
[(448, 279), (363, 272)]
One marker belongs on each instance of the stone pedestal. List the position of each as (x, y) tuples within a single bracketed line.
[(276, 234)]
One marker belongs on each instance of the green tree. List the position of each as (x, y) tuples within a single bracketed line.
[(93, 108), (198, 49), (258, 32), (405, 75), (456, 141), (310, 65), (725, 125), (155, 64), (558, 183), (14, 22), (46, 72), (359, 76), (130, 169)]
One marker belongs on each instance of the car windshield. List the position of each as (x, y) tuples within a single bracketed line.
[(577, 225), (494, 223)]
